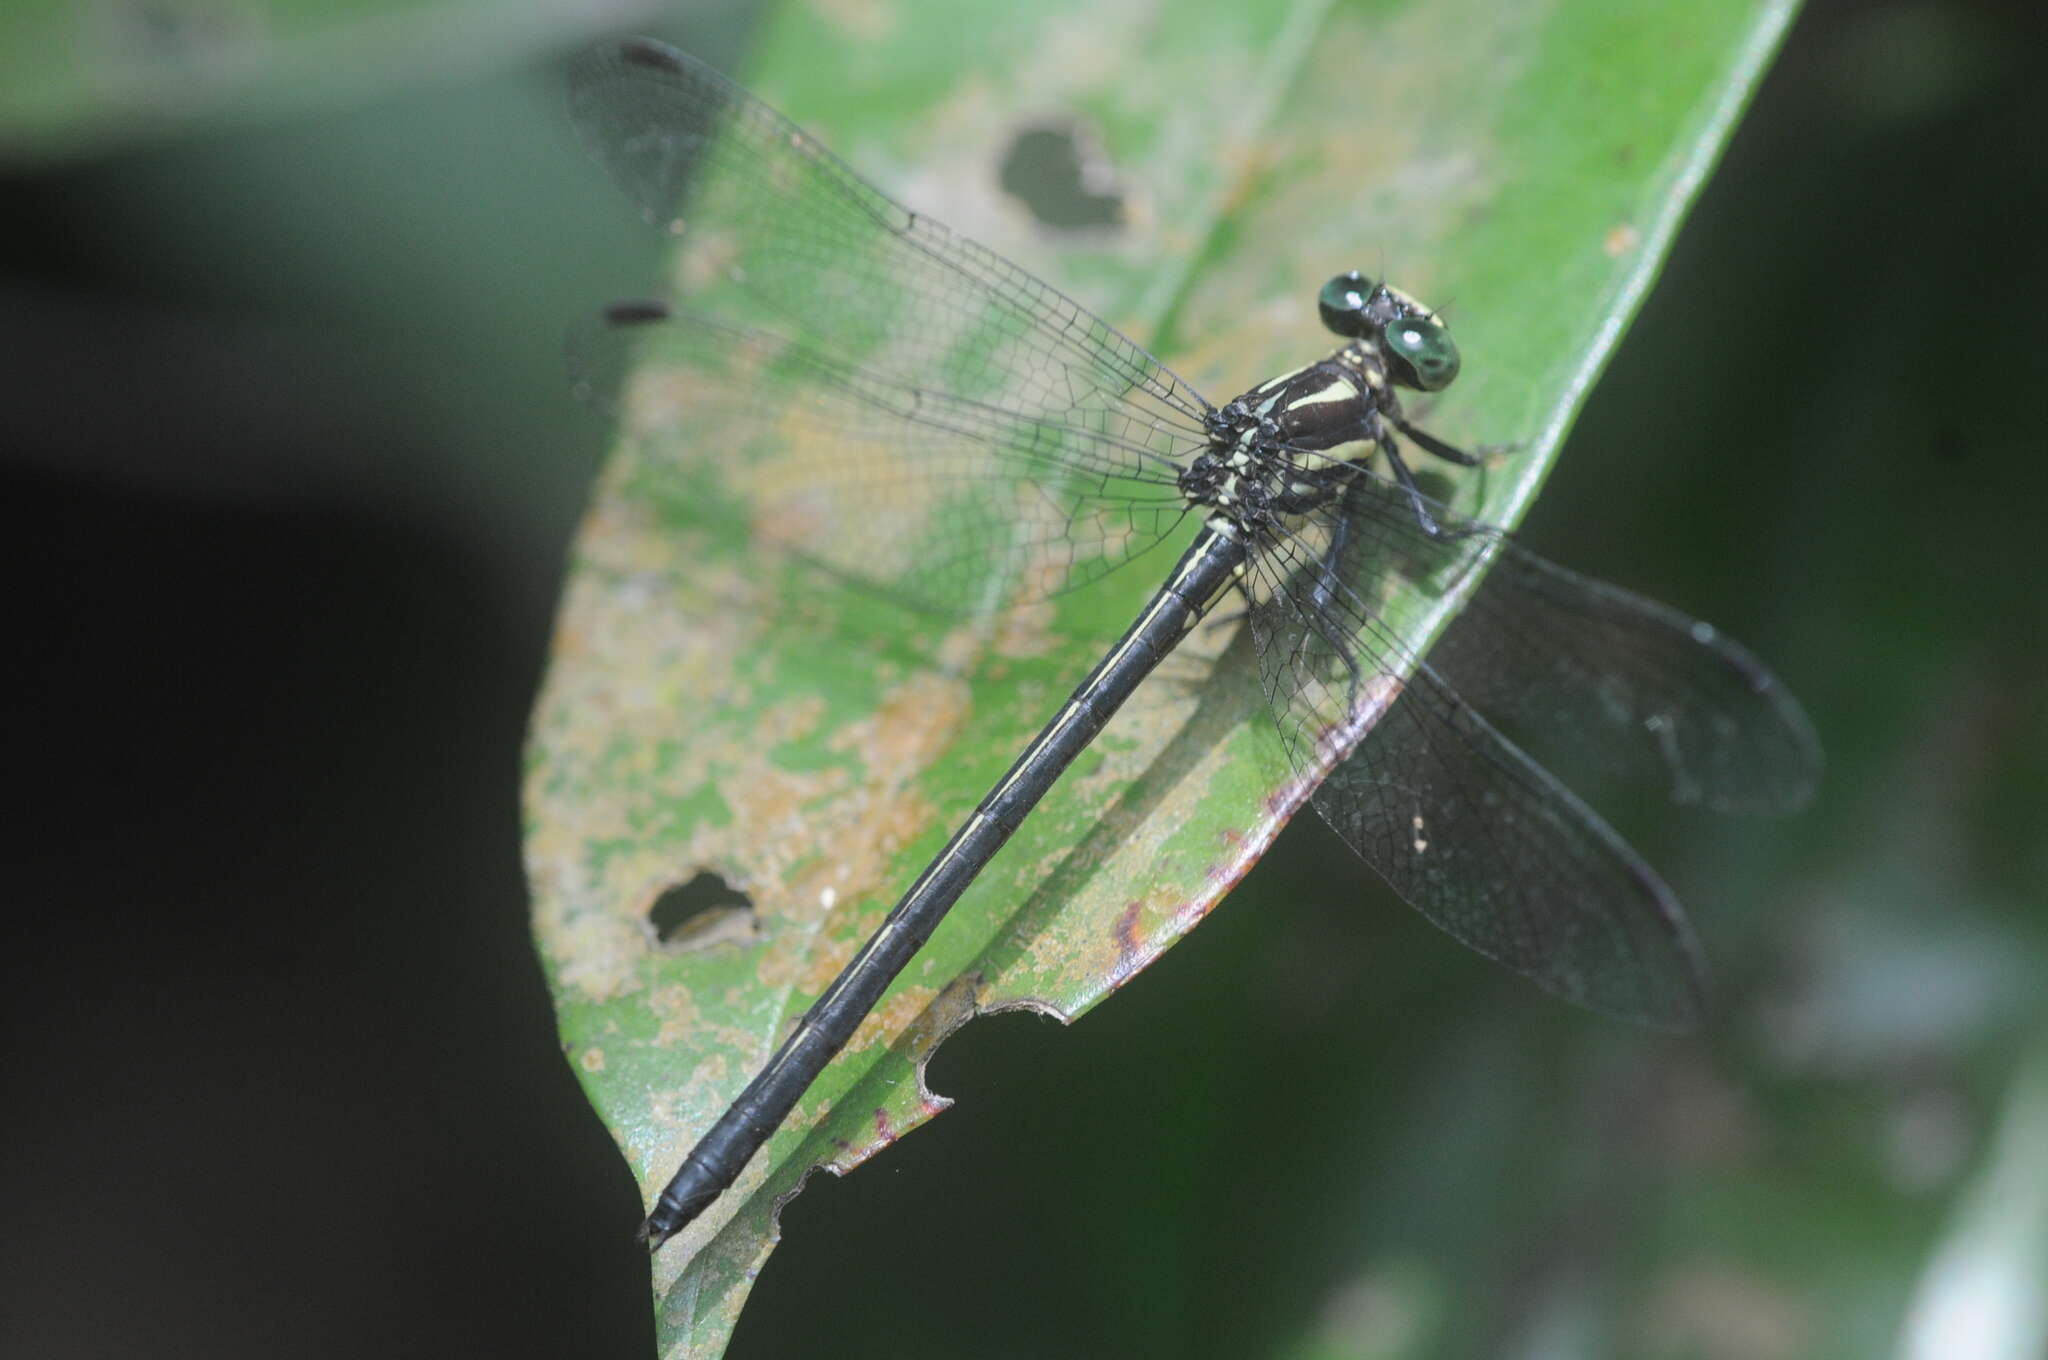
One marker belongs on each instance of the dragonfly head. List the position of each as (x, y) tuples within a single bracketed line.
[(1417, 348)]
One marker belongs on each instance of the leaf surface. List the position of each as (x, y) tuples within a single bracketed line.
[(813, 745)]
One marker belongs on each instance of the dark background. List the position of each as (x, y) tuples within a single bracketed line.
[(289, 475)]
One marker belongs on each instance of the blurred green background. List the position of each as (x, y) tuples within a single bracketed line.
[(289, 472)]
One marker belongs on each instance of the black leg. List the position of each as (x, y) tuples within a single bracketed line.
[(1332, 558), (1406, 480), (1429, 443), (1329, 577)]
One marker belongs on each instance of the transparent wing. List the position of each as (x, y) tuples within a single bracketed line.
[(947, 375), (1600, 677), (1458, 819), (778, 228), (950, 505), (1593, 677)]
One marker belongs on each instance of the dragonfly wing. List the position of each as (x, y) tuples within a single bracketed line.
[(1597, 679), (779, 233), (1606, 678), (950, 505), (1457, 819), (903, 405)]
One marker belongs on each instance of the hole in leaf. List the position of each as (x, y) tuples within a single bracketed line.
[(1060, 172), (705, 909)]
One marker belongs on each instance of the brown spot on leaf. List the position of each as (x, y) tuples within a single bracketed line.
[(1126, 931)]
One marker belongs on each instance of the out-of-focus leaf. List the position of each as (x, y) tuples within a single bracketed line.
[(82, 74)]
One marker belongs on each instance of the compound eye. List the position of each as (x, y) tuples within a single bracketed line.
[(1425, 349), (1342, 303)]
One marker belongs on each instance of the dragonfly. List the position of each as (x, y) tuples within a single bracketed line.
[(924, 417)]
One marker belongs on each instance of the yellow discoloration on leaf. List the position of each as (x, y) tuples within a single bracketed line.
[(1025, 633), (895, 1015), (601, 955), (677, 1011), (791, 722), (866, 20)]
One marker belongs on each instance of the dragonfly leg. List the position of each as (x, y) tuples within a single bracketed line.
[(1406, 481), (1329, 577), (1429, 443), (1331, 561)]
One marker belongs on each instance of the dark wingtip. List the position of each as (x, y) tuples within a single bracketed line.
[(635, 312), (649, 52)]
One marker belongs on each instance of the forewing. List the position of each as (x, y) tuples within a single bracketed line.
[(780, 234), (950, 505)]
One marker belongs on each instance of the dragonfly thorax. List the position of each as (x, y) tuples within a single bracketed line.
[(1275, 450)]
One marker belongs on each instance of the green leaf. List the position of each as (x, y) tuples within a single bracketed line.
[(706, 710)]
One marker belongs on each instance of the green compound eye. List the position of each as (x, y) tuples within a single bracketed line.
[(1342, 303), (1426, 350)]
